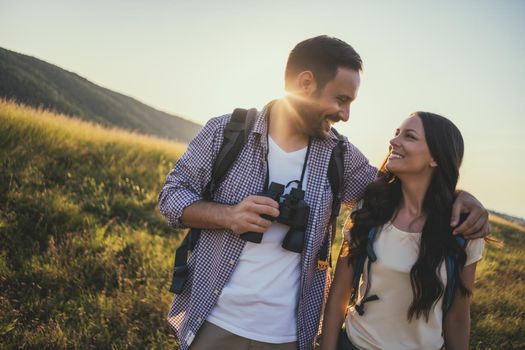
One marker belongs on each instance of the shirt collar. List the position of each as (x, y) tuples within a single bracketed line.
[(260, 125)]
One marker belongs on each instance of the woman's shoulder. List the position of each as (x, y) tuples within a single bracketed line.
[(474, 250)]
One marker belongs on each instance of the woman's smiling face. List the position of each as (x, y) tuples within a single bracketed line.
[(409, 153)]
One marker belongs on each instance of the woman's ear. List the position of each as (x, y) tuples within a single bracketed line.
[(433, 163)]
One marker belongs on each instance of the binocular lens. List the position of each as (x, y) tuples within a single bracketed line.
[(294, 240)]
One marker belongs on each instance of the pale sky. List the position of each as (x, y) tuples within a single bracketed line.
[(462, 59)]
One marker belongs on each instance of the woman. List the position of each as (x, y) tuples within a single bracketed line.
[(400, 301)]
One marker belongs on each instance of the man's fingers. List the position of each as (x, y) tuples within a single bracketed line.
[(476, 229), (473, 223), (260, 205), (251, 223), (484, 232), (479, 234), (265, 209), (255, 223), (263, 201), (471, 219), (456, 212), (477, 219), (259, 221), (246, 215), (255, 228)]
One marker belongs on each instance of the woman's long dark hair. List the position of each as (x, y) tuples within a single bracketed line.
[(383, 197)]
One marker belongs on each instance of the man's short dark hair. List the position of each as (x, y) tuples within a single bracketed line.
[(321, 55)]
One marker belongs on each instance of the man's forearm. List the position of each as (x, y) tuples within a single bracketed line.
[(244, 216), (207, 215)]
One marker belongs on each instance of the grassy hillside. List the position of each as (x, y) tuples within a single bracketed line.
[(85, 258), (38, 83), (498, 310), (84, 255)]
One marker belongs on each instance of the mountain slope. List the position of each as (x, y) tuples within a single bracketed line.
[(37, 83)]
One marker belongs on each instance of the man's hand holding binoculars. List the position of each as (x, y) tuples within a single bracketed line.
[(246, 216)]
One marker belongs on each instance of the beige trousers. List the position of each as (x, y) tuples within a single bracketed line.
[(212, 337)]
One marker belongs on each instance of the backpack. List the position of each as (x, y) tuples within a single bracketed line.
[(235, 135), (450, 263)]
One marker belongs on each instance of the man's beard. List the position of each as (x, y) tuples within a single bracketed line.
[(313, 119)]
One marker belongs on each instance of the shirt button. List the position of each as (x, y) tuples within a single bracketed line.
[(216, 292), (199, 320), (232, 262)]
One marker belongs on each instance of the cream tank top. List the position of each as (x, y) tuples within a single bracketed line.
[(384, 325)]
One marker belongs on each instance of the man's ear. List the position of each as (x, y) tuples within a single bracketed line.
[(306, 83)]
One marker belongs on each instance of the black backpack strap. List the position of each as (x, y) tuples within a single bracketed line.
[(360, 262), (336, 169), (180, 266), (335, 178), (371, 255), (235, 135)]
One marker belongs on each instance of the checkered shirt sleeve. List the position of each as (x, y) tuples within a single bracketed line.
[(187, 180), (358, 175)]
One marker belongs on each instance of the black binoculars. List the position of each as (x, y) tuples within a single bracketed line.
[(293, 211)]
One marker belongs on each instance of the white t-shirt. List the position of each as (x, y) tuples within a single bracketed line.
[(384, 325), (259, 302)]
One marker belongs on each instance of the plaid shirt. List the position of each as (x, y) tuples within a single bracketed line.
[(216, 254)]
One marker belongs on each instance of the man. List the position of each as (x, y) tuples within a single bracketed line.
[(243, 295)]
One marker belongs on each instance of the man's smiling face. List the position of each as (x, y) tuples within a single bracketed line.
[(331, 104)]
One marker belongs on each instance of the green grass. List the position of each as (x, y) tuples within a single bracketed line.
[(84, 255), (498, 308), (85, 258)]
